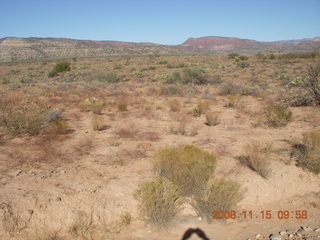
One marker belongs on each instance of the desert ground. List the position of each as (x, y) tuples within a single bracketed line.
[(76, 144)]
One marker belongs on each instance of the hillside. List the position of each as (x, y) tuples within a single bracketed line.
[(19, 49)]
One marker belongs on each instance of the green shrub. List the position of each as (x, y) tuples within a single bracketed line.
[(62, 67), (243, 58), (243, 64), (122, 107), (221, 195), (278, 115), (52, 74), (188, 167), (194, 76), (160, 201), (174, 77), (233, 55), (308, 153)]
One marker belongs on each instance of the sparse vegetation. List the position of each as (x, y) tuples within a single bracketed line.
[(188, 167), (91, 104), (221, 195), (98, 122), (201, 108), (122, 107), (160, 201), (213, 119), (23, 116), (308, 153), (59, 67), (257, 157), (278, 115)]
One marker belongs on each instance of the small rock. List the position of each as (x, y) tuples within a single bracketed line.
[(58, 199), (317, 229), (298, 234), (275, 237), (283, 233), (258, 235), (18, 172), (248, 239), (290, 235), (307, 228)]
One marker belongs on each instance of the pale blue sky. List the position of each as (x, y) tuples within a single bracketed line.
[(166, 21)]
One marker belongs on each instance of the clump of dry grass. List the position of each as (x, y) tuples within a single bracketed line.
[(221, 195), (23, 116), (175, 105), (91, 104), (122, 107), (257, 157), (98, 122), (308, 153), (233, 101), (188, 167), (58, 126), (278, 115), (201, 108), (213, 119), (160, 201)]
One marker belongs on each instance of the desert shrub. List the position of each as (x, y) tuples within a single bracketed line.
[(160, 201), (233, 55), (174, 77), (174, 105), (221, 195), (62, 67), (122, 107), (179, 128), (213, 119), (58, 126), (194, 76), (243, 64), (91, 104), (109, 77), (163, 62), (215, 80), (201, 108), (243, 58), (257, 157), (278, 115), (188, 167), (23, 117), (59, 67), (176, 65), (229, 88), (98, 122), (233, 101), (52, 74), (308, 153), (312, 82), (170, 90), (296, 97)]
